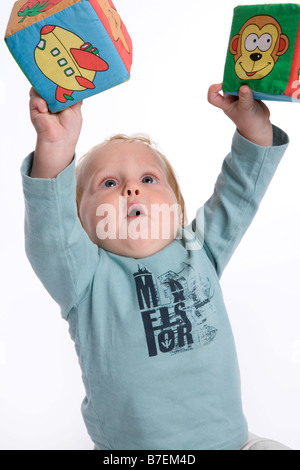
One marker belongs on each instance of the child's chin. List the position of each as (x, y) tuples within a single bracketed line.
[(139, 248)]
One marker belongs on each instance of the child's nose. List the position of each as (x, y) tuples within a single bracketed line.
[(130, 192), (132, 189)]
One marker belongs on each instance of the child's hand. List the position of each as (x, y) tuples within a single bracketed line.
[(251, 117), (57, 136)]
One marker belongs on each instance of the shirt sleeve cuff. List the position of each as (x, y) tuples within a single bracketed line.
[(280, 138), (63, 181)]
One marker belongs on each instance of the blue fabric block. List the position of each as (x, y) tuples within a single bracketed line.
[(68, 56)]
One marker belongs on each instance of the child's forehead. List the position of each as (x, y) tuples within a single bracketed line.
[(118, 152)]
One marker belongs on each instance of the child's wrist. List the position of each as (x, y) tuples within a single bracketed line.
[(262, 137), (50, 159)]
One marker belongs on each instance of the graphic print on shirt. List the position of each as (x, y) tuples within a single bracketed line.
[(175, 309)]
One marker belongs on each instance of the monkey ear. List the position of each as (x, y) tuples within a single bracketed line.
[(283, 44), (233, 46)]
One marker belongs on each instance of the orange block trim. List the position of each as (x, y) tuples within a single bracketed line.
[(27, 12), (116, 29)]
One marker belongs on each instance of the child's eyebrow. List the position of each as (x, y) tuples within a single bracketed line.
[(153, 168), (97, 175), (147, 169)]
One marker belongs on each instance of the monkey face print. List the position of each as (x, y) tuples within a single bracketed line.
[(257, 47), (264, 51)]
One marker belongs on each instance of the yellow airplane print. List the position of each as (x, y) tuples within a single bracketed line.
[(67, 61)]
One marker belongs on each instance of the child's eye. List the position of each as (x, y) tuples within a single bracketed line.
[(148, 179), (109, 183)]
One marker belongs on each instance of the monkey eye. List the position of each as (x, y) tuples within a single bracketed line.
[(265, 42), (251, 42)]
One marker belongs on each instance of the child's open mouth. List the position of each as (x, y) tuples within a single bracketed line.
[(136, 210)]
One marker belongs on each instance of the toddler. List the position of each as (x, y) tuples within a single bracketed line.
[(138, 286)]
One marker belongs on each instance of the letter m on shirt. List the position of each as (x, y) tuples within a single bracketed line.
[(146, 290)]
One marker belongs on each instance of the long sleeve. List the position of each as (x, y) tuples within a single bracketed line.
[(59, 250), (246, 174)]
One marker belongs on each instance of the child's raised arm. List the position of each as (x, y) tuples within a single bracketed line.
[(57, 136)]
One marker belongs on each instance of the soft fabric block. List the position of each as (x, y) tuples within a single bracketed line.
[(264, 51), (69, 49)]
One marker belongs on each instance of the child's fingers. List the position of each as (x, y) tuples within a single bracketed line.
[(32, 92), (246, 100), (77, 106), (37, 103), (214, 97)]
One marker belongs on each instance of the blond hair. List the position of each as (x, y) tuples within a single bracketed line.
[(144, 139)]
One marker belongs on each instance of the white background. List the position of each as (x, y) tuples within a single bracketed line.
[(179, 50)]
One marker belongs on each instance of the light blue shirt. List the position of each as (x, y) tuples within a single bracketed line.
[(152, 335)]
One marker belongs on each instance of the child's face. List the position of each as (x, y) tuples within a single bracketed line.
[(127, 205)]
